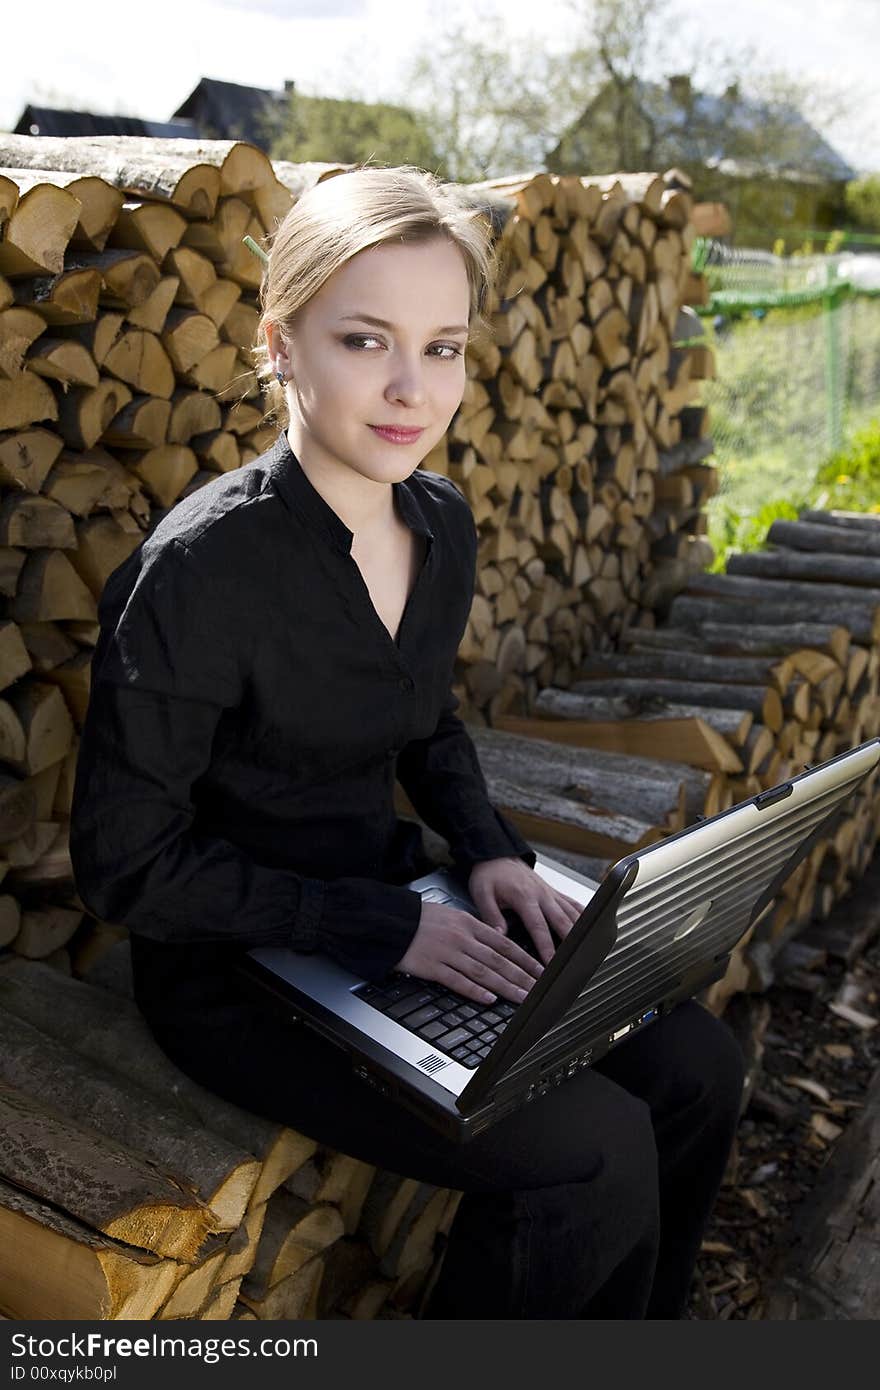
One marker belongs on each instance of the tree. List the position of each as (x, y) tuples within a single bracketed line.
[(863, 202), (490, 111), (352, 132), (663, 96)]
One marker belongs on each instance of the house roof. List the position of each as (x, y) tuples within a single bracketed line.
[(47, 120), (728, 133), (231, 111)]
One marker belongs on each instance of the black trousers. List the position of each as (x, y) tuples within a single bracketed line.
[(588, 1203)]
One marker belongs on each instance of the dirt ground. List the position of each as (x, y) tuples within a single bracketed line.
[(815, 1072)]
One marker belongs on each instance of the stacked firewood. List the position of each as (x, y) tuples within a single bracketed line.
[(127, 312), (128, 1191), (578, 445), (128, 305), (754, 675)]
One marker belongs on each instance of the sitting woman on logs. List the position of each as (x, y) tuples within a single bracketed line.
[(274, 654)]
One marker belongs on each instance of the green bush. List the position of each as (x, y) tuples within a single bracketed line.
[(850, 480), (863, 201), (732, 531)]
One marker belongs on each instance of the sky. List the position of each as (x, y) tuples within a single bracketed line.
[(91, 56)]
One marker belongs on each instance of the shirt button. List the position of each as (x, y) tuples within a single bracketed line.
[(406, 683)]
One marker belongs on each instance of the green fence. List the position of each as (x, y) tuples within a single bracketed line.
[(797, 360)]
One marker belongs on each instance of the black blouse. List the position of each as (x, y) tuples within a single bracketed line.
[(249, 711)]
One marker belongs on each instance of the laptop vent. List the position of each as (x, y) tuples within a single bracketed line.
[(432, 1062)]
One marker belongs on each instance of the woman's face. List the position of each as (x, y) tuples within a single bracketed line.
[(351, 373)]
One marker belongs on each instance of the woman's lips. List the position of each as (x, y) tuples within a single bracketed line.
[(395, 435)]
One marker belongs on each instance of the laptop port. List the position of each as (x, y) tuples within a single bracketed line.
[(646, 1018), (621, 1033), (372, 1080)]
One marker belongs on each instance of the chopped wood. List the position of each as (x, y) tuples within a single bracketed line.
[(14, 656), (26, 458), (138, 358), (192, 412), (96, 1180), (19, 328), (49, 589), (149, 227), (188, 337), (86, 413), (37, 233), (25, 399), (46, 646), (142, 424), (688, 740), (31, 521), (294, 1231), (152, 313), (191, 185), (222, 1176), (60, 360), (858, 570), (109, 1030), (17, 807), (99, 202), (45, 723), (67, 299), (164, 471), (51, 1262)]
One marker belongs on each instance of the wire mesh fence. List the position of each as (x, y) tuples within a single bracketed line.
[(797, 366)]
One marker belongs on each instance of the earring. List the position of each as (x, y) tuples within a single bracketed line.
[(281, 378)]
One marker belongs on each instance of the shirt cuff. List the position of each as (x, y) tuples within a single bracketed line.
[(365, 925), (491, 839)]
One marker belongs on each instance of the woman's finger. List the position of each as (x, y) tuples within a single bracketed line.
[(460, 983), (505, 959), (572, 902), (560, 915), (499, 980), (487, 936)]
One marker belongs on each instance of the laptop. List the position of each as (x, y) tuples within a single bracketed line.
[(658, 929)]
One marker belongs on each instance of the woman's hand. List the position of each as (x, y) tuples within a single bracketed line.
[(500, 883), (468, 956)]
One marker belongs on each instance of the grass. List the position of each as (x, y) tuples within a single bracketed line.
[(758, 490), (768, 418)]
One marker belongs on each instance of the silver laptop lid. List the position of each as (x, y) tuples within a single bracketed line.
[(677, 906)]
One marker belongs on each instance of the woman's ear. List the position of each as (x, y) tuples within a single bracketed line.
[(279, 360)]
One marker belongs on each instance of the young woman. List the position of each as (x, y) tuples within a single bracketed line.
[(277, 651)]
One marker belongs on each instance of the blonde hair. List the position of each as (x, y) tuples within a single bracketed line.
[(350, 212)]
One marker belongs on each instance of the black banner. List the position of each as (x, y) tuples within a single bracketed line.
[(387, 1352)]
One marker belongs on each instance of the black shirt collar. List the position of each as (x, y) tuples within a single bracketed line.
[(294, 486)]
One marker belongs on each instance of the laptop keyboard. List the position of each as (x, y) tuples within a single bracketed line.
[(463, 1030)]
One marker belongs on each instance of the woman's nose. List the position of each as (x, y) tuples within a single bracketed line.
[(406, 383)]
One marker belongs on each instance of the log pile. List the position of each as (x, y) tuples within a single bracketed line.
[(579, 444), (128, 1191), (127, 309), (754, 675), (128, 305)]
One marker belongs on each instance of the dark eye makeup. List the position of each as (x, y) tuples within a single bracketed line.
[(356, 342)]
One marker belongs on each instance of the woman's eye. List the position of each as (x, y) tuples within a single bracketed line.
[(357, 340), (445, 352)]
